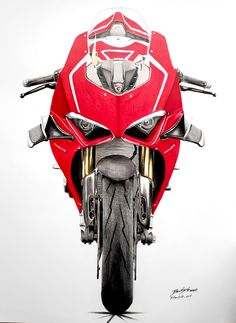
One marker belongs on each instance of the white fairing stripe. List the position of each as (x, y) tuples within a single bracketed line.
[(134, 29), (84, 60), (94, 30), (114, 43), (161, 68), (80, 63), (72, 115), (129, 52)]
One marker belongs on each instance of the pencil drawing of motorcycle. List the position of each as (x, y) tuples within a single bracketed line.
[(115, 126)]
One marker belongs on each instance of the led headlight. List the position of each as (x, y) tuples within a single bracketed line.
[(142, 128), (89, 128), (83, 125)]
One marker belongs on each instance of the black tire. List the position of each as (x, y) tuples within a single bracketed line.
[(118, 245)]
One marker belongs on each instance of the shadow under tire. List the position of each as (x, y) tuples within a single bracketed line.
[(118, 245)]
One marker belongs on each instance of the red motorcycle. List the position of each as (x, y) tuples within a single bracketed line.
[(115, 126)]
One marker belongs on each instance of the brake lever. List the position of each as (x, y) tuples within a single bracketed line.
[(194, 89), (39, 88)]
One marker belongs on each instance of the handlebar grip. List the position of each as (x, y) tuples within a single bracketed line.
[(42, 79), (193, 81)]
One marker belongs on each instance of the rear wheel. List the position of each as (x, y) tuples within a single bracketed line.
[(118, 245)]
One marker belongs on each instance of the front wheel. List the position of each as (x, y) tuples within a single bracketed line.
[(118, 245)]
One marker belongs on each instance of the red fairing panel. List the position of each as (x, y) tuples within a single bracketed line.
[(75, 93)]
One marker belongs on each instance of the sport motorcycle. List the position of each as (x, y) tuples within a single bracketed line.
[(115, 125)]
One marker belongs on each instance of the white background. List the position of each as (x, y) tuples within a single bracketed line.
[(46, 274)]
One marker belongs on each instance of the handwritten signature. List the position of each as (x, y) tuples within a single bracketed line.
[(183, 293)]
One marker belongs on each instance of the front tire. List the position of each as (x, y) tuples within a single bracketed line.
[(118, 245)]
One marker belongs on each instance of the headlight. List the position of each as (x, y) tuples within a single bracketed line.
[(89, 128), (84, 126), (142, 128)]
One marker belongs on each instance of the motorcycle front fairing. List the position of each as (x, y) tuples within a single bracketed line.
[(115, 105), (115, 126)]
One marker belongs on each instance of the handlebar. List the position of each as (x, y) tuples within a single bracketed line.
[(49, 81), (192, 80), (42, 79)]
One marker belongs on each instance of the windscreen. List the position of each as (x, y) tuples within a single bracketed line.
[(118, 42)]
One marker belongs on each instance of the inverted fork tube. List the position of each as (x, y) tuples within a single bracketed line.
[(88, 155), (146, 161)]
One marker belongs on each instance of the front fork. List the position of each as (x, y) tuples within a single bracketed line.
[(92, 208), (91, 196), (91, 218)]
